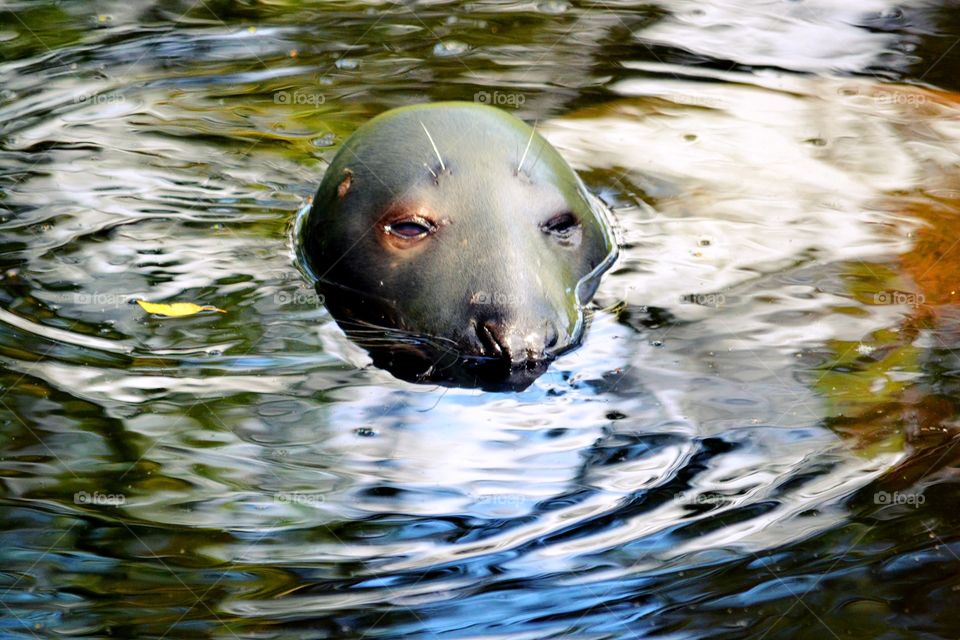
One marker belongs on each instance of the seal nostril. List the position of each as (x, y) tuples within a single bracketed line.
[(492, 340), (551, 336), (534, 360)]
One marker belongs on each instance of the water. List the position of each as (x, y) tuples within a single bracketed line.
[(755, 440)]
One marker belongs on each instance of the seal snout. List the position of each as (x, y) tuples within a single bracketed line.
[(514, 357), (499, 340)]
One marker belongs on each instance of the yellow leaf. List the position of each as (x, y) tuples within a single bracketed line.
[(177, 309)]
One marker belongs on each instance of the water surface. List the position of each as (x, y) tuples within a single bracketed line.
[(756, 439)]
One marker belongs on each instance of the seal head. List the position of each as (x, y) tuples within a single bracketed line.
[(455, 245)]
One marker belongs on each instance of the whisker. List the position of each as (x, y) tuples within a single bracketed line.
[(533, 130), (361, 330), (434, 145)]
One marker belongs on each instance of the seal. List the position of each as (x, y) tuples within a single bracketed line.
[(454, 244)]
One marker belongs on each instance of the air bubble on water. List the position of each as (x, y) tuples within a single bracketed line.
[(347, 64), (554, 7), (326, 140), (449, 48)]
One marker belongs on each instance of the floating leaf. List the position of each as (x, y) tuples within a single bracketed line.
[(176, 309)]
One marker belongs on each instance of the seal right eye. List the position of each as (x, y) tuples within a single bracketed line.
[(409, 229)]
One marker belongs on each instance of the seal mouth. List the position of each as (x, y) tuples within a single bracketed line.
[(500, 374), (421, 363)]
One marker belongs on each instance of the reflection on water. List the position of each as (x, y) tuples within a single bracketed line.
[(755, 440)]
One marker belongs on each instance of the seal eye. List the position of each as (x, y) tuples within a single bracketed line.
[(409, 229), (562, 224)]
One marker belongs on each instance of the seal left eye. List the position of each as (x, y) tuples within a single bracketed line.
[(561, 225), (408, 229)]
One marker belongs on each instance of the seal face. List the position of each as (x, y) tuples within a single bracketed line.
[(456, 245)]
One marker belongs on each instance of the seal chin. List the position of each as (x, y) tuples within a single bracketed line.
[(424, 364), (492, 374)]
